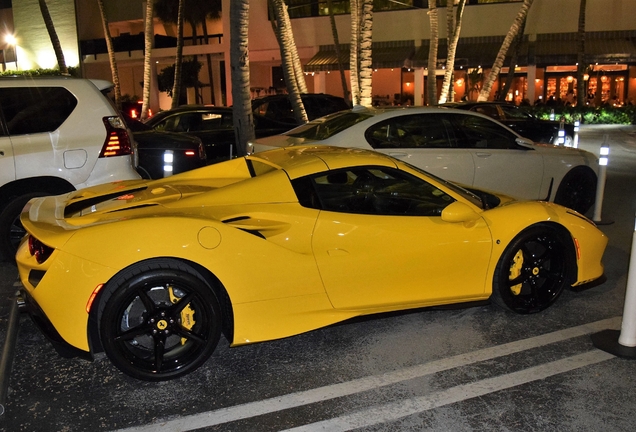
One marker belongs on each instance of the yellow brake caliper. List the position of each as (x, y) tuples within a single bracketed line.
[(515, 271), (187, 314)]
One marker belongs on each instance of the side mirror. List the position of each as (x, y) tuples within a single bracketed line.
[(459, 212)]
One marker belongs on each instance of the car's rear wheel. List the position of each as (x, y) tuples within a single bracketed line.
[(532, 271), (577, 190), (159, 320), (11, 229)]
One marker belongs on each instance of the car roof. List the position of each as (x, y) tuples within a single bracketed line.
[(299, 161)]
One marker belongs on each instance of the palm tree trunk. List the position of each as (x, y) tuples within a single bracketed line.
[(501, 56), (513, 62), (366, 60), (581, 94), (285, 38), (176, 86), (240, 71), (111, 54), (431, 82), (148, 40), (289, 38), (55, 41), (455, 25), (354, 67), (334, 31)]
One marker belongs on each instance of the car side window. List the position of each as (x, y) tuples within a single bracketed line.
[(29, 110), (410, 131), (488, 110), (371, 190), (479, 133), (515, 113)]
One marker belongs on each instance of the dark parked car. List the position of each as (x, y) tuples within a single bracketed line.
[(274, 115), (161, 154), (214, 125), (522, 122)]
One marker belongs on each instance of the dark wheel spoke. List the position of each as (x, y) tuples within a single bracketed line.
[(149, 304), (189, 335), (159, 353), (144, 329), (518, 280), (181, 304)]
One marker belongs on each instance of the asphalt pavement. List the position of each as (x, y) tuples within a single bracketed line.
[(478, 368)]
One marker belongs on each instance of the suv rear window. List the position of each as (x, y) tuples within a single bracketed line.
[(29, 110)]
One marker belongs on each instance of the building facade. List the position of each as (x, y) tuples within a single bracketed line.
[(545, 67)]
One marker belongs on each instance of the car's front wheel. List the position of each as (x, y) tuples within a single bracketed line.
[(532, 271), (159, 320), (577, 189)]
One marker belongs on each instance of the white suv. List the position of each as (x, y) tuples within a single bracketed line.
[(57, 134)]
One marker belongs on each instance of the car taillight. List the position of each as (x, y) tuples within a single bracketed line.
[(117, 140), (39, 250)]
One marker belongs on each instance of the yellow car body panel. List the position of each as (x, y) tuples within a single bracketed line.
[(286, 268)]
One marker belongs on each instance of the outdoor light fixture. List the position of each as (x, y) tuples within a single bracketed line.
[(604, 159)]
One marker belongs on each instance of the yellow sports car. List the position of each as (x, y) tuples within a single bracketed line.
[(279, 243)]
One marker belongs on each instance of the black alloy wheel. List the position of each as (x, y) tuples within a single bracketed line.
[(532, 272), (159, 320), (577, 190)]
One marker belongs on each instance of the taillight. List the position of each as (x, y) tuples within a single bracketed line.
[(117, 140), (39, 250)]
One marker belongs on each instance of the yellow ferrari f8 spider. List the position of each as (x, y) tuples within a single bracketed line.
[(279, 243)]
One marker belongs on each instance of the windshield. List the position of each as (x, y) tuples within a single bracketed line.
[(328, 126), (466, 194)]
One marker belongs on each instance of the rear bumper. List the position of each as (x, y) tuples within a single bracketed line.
[(46, 327)]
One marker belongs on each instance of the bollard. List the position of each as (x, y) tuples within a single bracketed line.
[(623, 343), (8, 350), (603, 160), (561, 133), (168, 159), (552, 115), (577, 126)]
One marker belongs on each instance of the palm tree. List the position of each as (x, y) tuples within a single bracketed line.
[(431, 82), (55, 41), (366, 61), (334, 31), (111, 54), (496, 67), (454, 20), (148, 40), (353, 51), (240, 70), (285, 37), (195, 13), (580, 57), (176, 86), (516, 48)]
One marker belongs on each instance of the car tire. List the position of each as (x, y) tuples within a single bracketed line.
[(147, 330), (577, 190), (532, 272), (11, 229)]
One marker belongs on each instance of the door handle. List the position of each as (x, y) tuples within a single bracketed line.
[(483, 155), (1, 152)]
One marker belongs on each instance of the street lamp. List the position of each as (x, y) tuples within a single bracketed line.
[(11, 40)]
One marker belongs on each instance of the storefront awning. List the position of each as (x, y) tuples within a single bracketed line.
[(470, 52), (394, 54)]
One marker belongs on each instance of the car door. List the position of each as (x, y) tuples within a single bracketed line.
[(425, 140), (380, 240), (501, 164)]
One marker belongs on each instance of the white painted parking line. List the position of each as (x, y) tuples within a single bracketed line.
[(397, 410), (292, 400)]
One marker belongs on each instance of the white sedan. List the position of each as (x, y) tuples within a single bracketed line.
[(459, 146)]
